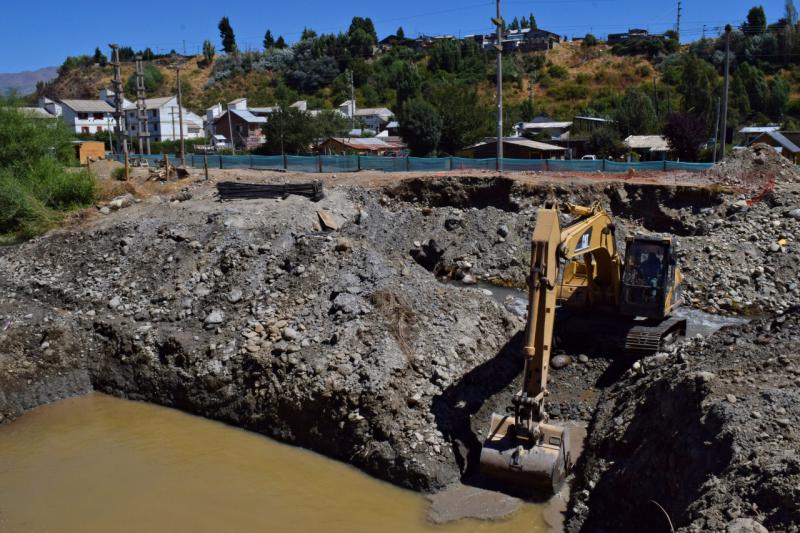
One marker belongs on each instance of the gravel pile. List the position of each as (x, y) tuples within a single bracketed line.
[(745, 260), (753, 168)]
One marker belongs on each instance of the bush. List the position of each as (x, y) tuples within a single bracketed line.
[(34, 185), (558, 72)]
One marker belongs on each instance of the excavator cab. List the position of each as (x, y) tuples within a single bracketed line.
[(649, 278)]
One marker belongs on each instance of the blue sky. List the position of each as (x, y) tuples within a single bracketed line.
[(43, 33)]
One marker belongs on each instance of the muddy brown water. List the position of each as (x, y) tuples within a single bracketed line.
[(98, 463)]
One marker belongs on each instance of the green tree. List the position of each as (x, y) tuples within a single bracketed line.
[(227, 36), (406, 80), (360, 43), (100, 58), (605, 143), (280, 44), (698, 86), (445, 55), (400, 34), (778, 100), (514, 24), (269, 41), (363, 24), (532, 22), (685, 132), (208, 52), (635, 114), (361, 37), (421, 127), (153, 80), (464, 117), (589, 40), (289, 131), (755, 85), (756, 21), (329, 123), (308, 34)]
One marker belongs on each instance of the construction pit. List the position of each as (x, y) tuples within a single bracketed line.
[(375, 334)]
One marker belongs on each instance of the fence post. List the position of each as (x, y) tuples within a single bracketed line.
[(604, 164), (665, 165), (546, 166), (205, 163), (220, 160), (358, 159), (408, 163), (285, 163), (319, 163), (451, 162), (251, 160)]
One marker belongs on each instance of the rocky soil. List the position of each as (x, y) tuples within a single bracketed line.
[(754, 168), (708, 432), (375, 343)]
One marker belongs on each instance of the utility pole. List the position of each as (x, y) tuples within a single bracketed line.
[(716, 130), (119, 117), (655, 96), (230, 129), (178, 67), (531, 93), (172, 116), (678, 25), (141, 108), (110, 140), (498, 22), (352, 100), (725, 88), (704, 32)]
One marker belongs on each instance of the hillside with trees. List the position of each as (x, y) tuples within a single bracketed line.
[(443, 93)]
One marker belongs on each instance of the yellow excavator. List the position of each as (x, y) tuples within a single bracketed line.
[(580, 267)]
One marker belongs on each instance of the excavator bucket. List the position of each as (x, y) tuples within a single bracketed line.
[(538, 465)]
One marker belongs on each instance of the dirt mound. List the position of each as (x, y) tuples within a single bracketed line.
[(709, 433), (754, 168)]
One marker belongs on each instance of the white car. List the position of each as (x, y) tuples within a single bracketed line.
[(589, 158)]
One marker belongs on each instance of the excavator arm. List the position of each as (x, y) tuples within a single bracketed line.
[(526, 449)]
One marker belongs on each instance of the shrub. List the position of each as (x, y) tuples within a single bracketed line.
[(589, 40), (34, 185), (558, 72)]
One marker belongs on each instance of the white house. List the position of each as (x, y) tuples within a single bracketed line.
[(163, 120), (50, 106), (87, 116), (374, 118)]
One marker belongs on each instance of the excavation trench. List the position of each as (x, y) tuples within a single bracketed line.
[(340, 342)]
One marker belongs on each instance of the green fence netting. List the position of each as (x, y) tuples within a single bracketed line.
[(353, 163)]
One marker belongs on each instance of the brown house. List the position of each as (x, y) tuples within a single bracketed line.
[(361, 146), (514, 148), (247, 128)]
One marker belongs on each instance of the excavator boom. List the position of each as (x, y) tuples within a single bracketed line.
[(524, 449)]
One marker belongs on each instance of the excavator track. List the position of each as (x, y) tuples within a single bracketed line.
[(647, 338)]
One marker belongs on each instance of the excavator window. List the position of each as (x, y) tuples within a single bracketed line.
[(585, 240), (646, 266)]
